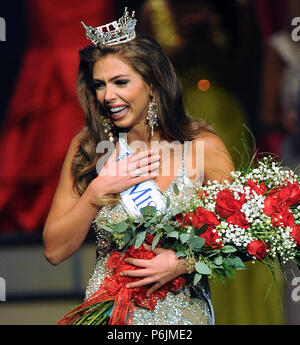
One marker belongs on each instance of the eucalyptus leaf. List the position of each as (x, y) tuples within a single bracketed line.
[(228, 249), (155, 241), (168, 228), (184, 237), (148, 211), (235, 262), (140, 238), (107, 228), (180, 254), (196, 242), (168, 202), (173, 234), (120, 227), (126, 238), (218, 260), (197, 278), (202, 268), (175, 189), (149, 222)]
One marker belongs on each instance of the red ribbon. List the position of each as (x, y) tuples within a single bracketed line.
[(114, 288)]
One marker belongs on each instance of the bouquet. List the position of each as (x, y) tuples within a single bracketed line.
[(255, 216)]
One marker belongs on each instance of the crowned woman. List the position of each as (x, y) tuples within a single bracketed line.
[(132, 99)]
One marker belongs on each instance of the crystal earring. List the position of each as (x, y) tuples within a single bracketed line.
[(152, 115), (108, 127)]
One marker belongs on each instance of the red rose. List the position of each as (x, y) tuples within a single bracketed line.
[(204, 217), (258, 249), (259, 189), (280, 199), (202, 194), (179, 217), (211, 236), (187, 219), (285, 218), (296, 234), (226, 204), (273, 205), (238, 219), (290, 194)]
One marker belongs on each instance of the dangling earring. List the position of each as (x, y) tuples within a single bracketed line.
[(108, 127), (152, 115)]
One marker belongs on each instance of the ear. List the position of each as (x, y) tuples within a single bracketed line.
[(151, 93)]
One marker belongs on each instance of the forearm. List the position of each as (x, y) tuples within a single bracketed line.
[(64, 235)]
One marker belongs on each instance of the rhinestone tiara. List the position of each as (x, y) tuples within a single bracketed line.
[(119, 31)]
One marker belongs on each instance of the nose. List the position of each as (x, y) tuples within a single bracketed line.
[(109, 95)]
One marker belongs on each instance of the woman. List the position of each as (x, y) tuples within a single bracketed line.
[(132, 88)]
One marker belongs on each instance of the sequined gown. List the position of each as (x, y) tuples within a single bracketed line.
[(190, 305)]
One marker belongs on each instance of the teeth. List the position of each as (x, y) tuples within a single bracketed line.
[(117, 109)]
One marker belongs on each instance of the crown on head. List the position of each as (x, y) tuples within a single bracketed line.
[(116, 32)]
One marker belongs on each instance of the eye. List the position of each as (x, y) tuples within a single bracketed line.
[(121, 82), (97, 84)]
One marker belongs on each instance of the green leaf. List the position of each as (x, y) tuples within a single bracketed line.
[(235, 262), (202, 268), (173, 234), (168, 202), (149, 222), (140, 238), (184, 237), (120, 227), (155, 241), (228, 249), (218, 261), (175, 189), (126, 238), (197, 278), (168, 228), (148, 211), (201, 230), (180, 254), (107, 228), (197, 242)]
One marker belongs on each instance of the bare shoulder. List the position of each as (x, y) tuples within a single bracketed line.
[(217, 161), (210, 140), (74, 144)]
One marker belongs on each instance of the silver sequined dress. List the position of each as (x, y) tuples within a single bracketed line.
[(191, 305)]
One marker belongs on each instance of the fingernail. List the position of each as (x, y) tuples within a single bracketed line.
[(128, 286)]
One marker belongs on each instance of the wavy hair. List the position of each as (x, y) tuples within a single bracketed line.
[(148, 59)]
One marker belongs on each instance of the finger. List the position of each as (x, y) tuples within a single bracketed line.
[(140, 155), (153, 289), (147, 161), (144, 170), (135, 273), (137, 262), (142, 282), (140, 179), (147, 246)]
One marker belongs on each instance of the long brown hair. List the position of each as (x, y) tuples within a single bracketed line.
[(148, 59)]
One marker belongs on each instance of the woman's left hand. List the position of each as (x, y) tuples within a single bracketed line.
[(164, 267)]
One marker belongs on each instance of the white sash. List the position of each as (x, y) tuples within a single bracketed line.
[(143, 194)]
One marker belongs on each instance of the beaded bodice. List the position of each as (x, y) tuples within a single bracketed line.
[(191, 304), (117, 213)]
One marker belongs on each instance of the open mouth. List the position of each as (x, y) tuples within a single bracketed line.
[(118, 112)]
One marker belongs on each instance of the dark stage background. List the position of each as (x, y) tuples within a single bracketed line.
[(239, 46)]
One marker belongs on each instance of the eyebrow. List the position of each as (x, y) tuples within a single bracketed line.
[(112, 79)]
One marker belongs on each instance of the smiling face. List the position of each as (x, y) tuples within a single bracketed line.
[(122, 91)]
